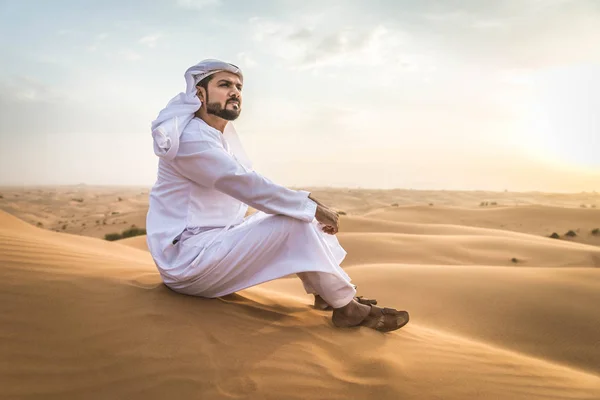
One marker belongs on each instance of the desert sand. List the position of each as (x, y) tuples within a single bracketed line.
[(498, 309)]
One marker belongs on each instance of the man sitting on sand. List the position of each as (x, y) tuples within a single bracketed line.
[(198, 234)]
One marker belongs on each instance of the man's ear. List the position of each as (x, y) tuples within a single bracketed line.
[(201, 93)]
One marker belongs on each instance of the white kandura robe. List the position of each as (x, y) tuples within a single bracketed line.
[(204, 246)]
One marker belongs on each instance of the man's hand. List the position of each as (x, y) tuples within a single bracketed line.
[(327, 217)]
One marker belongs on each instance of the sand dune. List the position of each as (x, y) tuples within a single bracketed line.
[(533, 219), (465, 250), (547, 313), (137, 242), (374, 241), (96, 211), (81, 317)]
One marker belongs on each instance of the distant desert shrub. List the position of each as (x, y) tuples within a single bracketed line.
[(593, 205), (554, 236), (430, 204), (571, 234), (342, 212), (514, 260), (114, 213), (1, 197), (131, 232), (483, 204), (112, 236), (40, 224), (97, 221), (64, 227), (596, 231), (494, 203), (583, 206), (395, 205), (77, 199), (120, 199)]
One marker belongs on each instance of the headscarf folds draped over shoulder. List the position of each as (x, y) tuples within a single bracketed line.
[(172, 120)]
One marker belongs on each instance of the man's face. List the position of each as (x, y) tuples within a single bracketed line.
[(224, 96)]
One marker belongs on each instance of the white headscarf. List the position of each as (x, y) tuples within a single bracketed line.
[(172, 120)]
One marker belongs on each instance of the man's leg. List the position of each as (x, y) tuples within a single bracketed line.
[(276, 246), (347, 310), (263, 249), (335, 291)]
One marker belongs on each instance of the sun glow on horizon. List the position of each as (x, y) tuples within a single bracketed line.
[(563, 121)]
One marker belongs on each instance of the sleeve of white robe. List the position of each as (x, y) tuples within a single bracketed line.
[(209, 164)]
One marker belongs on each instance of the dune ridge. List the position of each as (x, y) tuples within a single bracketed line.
[(84, 318), (96, 210)]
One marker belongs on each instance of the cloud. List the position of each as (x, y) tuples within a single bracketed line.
[(513, 34), (301, 34), (30, 107), (489, 24), (445, 16), (246, 60), (56, 136), (198, 4), (25, 89), (63, 32), (129, 55), (352, 47), (306, 47), (264, 29), (96, 43), (150, 40)]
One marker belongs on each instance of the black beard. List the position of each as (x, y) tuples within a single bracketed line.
[(216, 109)]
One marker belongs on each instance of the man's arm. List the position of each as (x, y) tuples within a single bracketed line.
[(208, 164), (326, 216)]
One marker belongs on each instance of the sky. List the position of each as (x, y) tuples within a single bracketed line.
[(453, 95)]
